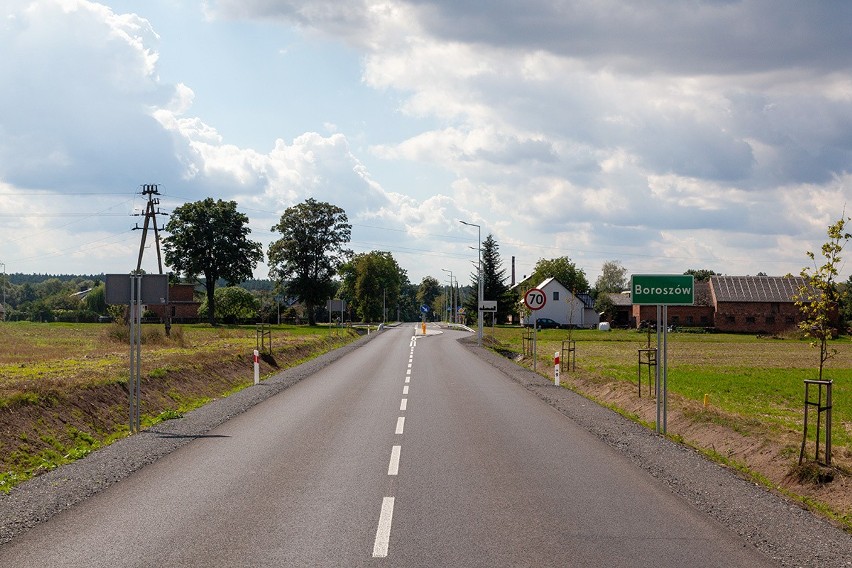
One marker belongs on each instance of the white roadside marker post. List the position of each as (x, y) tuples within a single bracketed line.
[(256, 367), (556, 368)]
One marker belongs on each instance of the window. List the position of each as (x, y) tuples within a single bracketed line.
[(690, 320), (704, 319), (556, 295), (770, 319), (749, 319), (789, 320), (731, 319), (675, 320)]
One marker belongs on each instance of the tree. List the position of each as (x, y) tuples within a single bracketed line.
[(233, 304), (96, 300), (408, 309), (846, 301), (701, 274), (819, 296), (310, 252), (211, 238), (372, 282), (493, 285), (605, 306), (565, 271), (613, 278), (428, 291)]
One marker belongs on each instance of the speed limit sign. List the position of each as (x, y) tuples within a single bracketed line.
[(535, 299)]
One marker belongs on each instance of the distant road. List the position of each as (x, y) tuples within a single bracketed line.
[(404, 453)]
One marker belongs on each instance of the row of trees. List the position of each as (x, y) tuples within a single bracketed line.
[(309, 262), (209, 240), (51, 298)]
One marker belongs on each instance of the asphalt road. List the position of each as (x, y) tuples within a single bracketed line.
[(403, 453)]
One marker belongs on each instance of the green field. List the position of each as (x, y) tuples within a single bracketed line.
[(758, 379)]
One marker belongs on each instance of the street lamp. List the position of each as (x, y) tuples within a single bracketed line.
[(480, 279), (452, 304)]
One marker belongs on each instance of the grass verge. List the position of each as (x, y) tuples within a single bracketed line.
[(69, 396)]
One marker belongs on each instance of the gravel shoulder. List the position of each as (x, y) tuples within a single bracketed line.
[(780, 529)]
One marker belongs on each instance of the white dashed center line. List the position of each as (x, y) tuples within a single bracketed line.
[(380, 546), (393, 466), (382, 542)]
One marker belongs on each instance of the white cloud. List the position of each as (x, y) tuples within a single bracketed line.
[(647, 129)]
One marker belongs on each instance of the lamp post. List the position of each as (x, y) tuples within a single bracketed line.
[(452, 304), (480, 279)]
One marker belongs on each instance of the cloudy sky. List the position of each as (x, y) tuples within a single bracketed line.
[(666, 135)]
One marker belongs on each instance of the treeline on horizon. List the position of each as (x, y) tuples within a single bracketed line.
[(19, 278)]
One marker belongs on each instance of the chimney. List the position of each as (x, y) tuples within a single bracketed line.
[(513, 270)]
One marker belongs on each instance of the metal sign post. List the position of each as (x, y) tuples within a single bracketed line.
[(135, 291), (661, 371), (134, 382), (535, 299), (662, 290)]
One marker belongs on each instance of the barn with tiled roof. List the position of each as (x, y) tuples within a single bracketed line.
[(759, 304)]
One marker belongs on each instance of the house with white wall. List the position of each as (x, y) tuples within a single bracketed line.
[(564, 307)]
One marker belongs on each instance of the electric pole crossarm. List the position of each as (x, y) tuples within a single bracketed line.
[(151, 212)]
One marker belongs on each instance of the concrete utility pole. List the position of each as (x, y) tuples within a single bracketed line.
[(150, 218), (480, 278), (151, 212)]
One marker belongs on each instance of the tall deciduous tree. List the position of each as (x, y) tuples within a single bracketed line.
[(428, 291), (564, 270), (210, 238), (310, 251), (613, 278), (818, 298), (372, 282)]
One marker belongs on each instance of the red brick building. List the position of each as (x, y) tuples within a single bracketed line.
[(182, 306), (755, 304), (699, 314), (738, 304)]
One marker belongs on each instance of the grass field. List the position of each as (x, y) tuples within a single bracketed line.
[(759, 379), (63, 387), (755, 389)]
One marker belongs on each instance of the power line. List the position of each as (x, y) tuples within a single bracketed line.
[(96, 214), (58, 215), (76, 248), (65, 194)]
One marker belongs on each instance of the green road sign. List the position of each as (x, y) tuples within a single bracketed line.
[(662, 289)]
